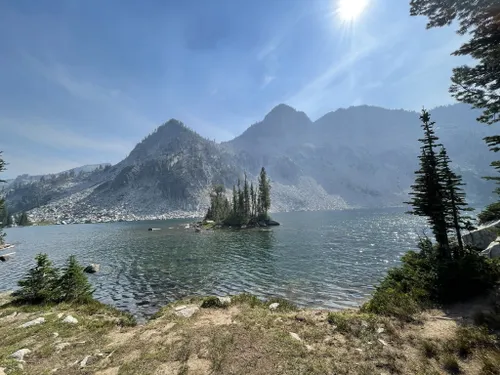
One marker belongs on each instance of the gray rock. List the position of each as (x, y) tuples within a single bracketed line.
[(493, 250), (226, 300), (482, 237), (69, 319), (33, 323), (92, 268), (295, 336), (187, 311), (19, 355), (274, 306), (84, 361), (2, 371)]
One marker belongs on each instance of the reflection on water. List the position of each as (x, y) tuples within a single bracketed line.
[(320, 259)]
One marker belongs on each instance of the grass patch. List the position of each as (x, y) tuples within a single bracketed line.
[(450, 365), (248, 299), (284, 305), (429, 349)]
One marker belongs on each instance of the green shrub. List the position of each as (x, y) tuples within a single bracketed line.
[(249, 299), (341, 321), (451, 365), (490, 213), (40, 284), (425, 278), (468, 338), (213, 303), (73, 284)]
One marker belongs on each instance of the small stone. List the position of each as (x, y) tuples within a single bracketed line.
[(187, 312), (179, 308), (19, 355), (225, 300), (62, 346), (274, 306), (364, 324), (309, 348), (383, 342), (279, 320), (380, 330), (60, 315), (20, 366), (84, 361), (33, 323), (295, 336), (2, 371), (69, 319), (359, 350), (53, 371), (300, 318), (92, 268), (55, 335)]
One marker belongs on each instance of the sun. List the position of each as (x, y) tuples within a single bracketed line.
[(351, 10)]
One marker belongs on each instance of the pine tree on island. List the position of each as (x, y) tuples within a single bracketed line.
[(249, 206)]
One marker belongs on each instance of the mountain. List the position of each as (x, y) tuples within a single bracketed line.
[(360, 156)]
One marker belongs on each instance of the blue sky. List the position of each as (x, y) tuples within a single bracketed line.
[(83, 81)]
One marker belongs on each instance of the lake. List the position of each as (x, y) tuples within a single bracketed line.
[(316, 259)]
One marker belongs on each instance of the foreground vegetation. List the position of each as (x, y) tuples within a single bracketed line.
[(243, 336)]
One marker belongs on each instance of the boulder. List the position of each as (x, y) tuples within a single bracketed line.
[(493, 250), (272, 223), (483, 236), (186, 311), (69, 319), (92, 268), (274, 306), (225, 300), (32, 323), (19, 355)]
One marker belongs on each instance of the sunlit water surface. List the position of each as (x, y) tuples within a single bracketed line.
[(316, 259)]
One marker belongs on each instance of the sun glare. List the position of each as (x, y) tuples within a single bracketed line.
[(351, 10)]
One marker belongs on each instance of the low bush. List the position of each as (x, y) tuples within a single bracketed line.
[(213, 303), (425, 278), (429, 349), (46, 284), (450, 364), (468, 338)]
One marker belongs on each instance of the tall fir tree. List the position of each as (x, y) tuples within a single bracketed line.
[(23, 220), (235, 201), (241, 202), (246, 197), (2, 203), (477, 84), (253, 199), (455, 202), (264, 193), (428, 195)]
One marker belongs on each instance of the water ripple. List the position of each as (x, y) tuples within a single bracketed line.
[(317, 259)]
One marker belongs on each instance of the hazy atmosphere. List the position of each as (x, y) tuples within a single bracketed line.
[(84, 81)]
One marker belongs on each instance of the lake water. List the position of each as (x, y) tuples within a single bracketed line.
[(316, 259)]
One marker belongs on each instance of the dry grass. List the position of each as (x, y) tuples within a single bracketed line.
[(244, 338)]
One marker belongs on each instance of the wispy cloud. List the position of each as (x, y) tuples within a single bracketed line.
[(267, 80)]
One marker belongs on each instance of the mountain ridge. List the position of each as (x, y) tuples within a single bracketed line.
[(358, 156)]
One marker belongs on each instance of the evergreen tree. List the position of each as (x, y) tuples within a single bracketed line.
[(477, 84), (454, 199), (2, 202), (241, 202), (73, 283), (253, 201), (264, 193), (40, 285), (235, 201), (4, 215), (246, 197), (23, 220), (428, 194)]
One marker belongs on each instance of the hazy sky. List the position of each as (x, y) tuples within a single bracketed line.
[(83, 81)]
